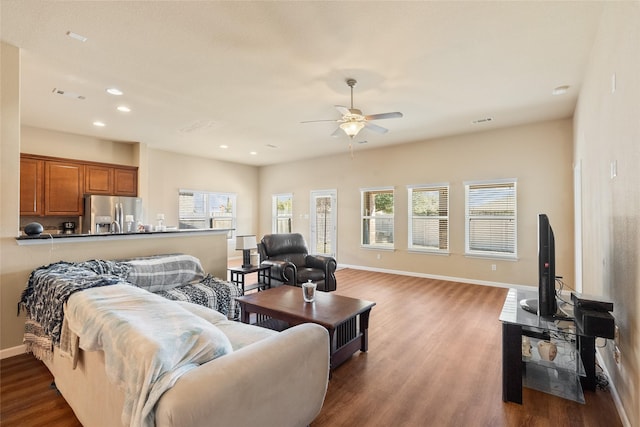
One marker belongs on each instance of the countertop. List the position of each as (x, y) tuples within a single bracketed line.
[(60, 238)]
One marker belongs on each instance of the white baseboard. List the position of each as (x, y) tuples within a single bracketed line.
[(12, 351), (437, 277), (614, 392)]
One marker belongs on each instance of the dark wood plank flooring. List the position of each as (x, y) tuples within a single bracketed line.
[(434, 359)]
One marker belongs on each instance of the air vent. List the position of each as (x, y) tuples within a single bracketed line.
[(197, 126), (68, 94), (483, 120)]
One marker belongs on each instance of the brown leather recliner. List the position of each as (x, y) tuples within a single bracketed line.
[(291, 264)]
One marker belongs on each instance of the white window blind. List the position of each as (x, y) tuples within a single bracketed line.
[(491, 226), (429, 218), (377, 217), (203, 210), (282, 213)]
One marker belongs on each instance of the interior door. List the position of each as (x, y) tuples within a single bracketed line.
[(322, 222)]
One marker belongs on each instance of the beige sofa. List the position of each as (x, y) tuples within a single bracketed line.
[(188, 365), (279, 380)]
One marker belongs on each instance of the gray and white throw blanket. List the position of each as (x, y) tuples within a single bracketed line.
[(48, 289)]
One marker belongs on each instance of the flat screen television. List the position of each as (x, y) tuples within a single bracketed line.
[(545, 305)]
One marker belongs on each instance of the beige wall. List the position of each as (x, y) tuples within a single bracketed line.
[(539, 156), (61, 144), (607, 129)]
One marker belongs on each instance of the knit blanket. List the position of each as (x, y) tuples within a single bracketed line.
[(147, 340), (48, 289)]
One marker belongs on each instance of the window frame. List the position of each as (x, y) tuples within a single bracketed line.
[(365, 216), (276, 217), (513, 241), (207, 214), (439, 187)]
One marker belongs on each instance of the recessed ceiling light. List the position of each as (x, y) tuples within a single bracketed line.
[(124, 109), (76, 36), (253, 153), (99, 124), (223, 146), (560, 90), (114, 91)]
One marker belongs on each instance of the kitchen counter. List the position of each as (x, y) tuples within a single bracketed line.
[(46, 238)]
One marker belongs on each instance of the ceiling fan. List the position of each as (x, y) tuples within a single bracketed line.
[(353, 121)]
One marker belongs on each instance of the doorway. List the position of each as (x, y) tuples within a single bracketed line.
[(322, 222)]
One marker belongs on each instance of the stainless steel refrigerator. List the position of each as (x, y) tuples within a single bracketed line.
[(111, 214)]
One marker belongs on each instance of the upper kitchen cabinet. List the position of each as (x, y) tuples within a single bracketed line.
[(63, 188), (125, 181), (55, 186), (110, 180), (31, 186), (98, 179)]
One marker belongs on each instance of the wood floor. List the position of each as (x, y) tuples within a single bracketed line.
[(434, 359)]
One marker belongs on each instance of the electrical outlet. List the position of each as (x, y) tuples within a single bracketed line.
[(378, 256), (493, 267)]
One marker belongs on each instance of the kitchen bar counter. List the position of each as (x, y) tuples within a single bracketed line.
[(46, 238)]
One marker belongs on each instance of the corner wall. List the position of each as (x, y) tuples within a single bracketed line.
[(607, 135)]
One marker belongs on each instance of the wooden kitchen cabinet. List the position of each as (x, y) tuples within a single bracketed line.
[(63, 188), (55, 186), (125, 181), (98, 179), (31, 186)]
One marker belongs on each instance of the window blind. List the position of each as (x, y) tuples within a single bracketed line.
[(491, 218)]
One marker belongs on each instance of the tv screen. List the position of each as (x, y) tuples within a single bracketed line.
[(545, 305)]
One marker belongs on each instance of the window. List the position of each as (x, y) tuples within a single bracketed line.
[(491, 225), (377, 217), (282, 213), (429, 217), (199, 209)]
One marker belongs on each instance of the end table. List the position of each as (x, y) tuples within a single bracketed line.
[(264, 278)]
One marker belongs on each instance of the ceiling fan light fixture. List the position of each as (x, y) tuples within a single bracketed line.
[(351, 128)]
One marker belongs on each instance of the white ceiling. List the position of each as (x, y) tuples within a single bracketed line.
[(200, 74)]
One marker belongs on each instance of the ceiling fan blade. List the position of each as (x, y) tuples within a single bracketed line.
[(336, 133), (314, 121), (394, 115), (343, 110), (375, 128)]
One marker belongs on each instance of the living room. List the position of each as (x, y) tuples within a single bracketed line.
[(542, 156)]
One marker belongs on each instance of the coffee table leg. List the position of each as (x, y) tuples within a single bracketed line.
[(244, 317), (364, 328), (332, 348)]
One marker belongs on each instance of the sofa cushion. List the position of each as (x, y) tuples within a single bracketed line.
[(162, 273)]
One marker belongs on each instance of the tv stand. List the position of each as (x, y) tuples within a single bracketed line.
[(572, 371)]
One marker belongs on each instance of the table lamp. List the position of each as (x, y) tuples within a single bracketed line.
[(245, 244)]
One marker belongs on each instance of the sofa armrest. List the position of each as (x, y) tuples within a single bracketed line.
[(278, 381), (284, 271)]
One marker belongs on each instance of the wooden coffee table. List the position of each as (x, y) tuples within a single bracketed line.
[(346, 319)]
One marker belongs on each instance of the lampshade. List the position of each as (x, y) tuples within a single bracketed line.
[(352, 128), (246, 242)]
